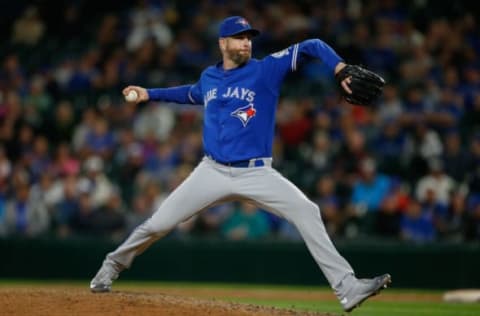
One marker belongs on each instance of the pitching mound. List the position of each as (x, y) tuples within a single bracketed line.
[(73, 301)]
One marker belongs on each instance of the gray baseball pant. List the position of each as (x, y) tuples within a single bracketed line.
[(211, 183)]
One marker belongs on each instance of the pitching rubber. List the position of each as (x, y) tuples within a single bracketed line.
[(462, 296)]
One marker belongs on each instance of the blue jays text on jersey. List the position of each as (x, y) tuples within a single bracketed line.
[(240, 103)]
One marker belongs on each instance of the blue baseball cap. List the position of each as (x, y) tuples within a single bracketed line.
[(234, 25)]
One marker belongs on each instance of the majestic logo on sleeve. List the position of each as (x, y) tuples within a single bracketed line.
[(245, 113)]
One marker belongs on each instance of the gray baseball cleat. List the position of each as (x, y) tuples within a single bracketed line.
[(362, 290), (102, 282)]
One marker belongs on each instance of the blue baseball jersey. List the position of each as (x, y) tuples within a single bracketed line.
[(240, 103)]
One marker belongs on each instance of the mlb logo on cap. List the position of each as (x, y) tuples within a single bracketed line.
[(234, 25)]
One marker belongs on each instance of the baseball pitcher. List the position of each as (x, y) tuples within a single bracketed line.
[(239, 96)]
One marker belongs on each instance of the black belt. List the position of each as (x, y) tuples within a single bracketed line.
[(242, 163)]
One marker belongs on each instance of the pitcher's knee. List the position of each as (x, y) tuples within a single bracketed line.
[(308, 213), (310, 209), (158, 228)]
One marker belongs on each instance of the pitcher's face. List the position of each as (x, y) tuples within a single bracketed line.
[(237, 48)]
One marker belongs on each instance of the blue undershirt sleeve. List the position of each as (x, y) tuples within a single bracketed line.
[(316, 49), (187, 94), (278, 64)]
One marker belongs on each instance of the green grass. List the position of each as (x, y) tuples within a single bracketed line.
[(374, 308), (396, 304)]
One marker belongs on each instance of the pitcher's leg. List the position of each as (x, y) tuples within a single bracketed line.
[(274, 192), (193, 195), (203, 187)]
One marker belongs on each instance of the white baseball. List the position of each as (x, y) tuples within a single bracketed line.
[(131, 96)]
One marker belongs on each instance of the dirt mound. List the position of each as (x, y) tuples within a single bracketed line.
[(73, 301)]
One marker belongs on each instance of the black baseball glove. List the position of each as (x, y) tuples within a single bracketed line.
[(366, 85)]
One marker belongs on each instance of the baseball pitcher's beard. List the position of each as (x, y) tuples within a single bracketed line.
[(239, 58)]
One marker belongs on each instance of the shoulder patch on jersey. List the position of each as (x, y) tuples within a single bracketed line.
[(280, 54), (245, 113)]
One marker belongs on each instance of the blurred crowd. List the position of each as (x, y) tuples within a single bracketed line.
[(75, 159)]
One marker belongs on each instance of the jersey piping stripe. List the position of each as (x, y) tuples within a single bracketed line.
[(294, 57), (190, 97)]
